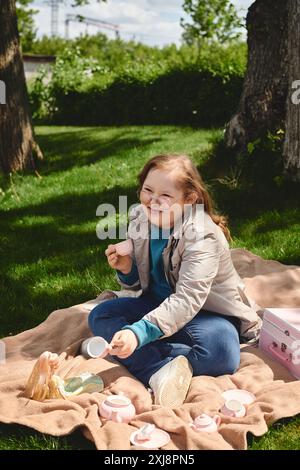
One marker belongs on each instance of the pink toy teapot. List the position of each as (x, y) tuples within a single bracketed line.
[(117, 408), (206, 423)]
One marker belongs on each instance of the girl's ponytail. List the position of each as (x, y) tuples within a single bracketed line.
[(222, 221)]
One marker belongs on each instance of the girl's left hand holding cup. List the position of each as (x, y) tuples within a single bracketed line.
[(123, 344)]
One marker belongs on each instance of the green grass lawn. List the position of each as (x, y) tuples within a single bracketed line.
[(50, 256)]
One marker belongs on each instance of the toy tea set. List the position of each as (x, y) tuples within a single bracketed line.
[(119, 408), (235, 406), (43, 384)]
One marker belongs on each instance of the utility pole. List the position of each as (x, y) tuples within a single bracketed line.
[(54, 4)]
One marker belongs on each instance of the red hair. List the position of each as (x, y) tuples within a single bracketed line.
[(189, 180)]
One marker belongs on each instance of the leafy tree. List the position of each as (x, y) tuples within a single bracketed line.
[(27, 30), (212, 20), (114, 53), (18, 146)]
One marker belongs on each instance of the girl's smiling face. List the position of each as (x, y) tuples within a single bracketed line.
[(162, 198)]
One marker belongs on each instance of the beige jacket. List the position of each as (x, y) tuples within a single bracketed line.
[(200, 273)]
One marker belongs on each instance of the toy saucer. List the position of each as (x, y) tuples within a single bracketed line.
[(243, 396), (158, 438)]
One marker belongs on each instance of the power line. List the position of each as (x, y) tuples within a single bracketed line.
[(54, 4), (89, 21)]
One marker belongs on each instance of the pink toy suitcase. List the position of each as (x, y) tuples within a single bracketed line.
[(280, 337)]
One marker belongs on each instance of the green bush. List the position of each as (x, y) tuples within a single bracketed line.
[(187, 87)]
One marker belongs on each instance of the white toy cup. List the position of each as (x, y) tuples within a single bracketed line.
[(94, 347), (124, 248)]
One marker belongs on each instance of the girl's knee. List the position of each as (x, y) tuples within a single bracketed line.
[(232, 361), (226, 361), (91, 320), (98, 313), (229, 349), (219, 351), (229, 355)]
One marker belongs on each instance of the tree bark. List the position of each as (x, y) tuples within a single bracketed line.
[(291, 148), (263, 98), (273, 66), (18, 148)]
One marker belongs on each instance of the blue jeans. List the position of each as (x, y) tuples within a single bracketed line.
[(209, 341)]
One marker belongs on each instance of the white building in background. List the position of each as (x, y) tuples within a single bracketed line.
[(32, 63)]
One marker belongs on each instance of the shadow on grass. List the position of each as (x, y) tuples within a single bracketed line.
[(278, 207), (244, 189), (50, 257), (65, 149), (17, 437), (249, 192)]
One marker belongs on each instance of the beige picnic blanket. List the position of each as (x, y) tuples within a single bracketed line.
[(277, 393)]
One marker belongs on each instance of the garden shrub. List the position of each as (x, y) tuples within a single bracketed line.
[(186, 88)]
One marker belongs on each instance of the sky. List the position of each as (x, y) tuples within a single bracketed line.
[(153, 22)]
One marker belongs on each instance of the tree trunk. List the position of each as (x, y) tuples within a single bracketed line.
[(263, 98), (18, 148), (273, 66), (291, 148)]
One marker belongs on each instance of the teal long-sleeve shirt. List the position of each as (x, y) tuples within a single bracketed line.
[(159, 287)]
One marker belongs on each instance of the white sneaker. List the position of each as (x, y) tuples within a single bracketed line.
[(171, 383)]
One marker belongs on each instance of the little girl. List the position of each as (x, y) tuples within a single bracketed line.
[(184, 314)]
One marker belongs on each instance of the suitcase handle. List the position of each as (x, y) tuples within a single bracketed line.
[(273, 347)]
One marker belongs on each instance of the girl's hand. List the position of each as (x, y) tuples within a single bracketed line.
[(123, 344), (122, 263)]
